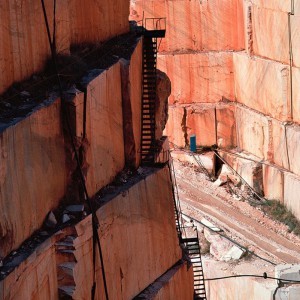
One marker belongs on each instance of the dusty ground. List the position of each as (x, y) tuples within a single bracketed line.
[(245, 224)]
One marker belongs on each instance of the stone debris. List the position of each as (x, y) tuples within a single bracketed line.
[(75, 208), (226, 175), (236, 197), (221, 248), (67, 290), (235, 179), (51, 220), (44, 233), (207, 159), (210, 225), (234, 253), (65, 218), (219, 182), (73, 90), (25, 94)]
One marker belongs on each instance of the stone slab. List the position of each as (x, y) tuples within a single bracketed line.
[(278, 5), (199, 77), (291, 192), (25, 49), (133, 232), (273, 183), (271, 33), (252, 132), (131, 105), (293, 147), (33, 174), (104, 123), (226, 126), (195, 25), (263, 85), (35, 278)]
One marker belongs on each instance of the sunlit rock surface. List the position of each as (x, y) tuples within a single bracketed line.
[(139, 244), (199, 77)]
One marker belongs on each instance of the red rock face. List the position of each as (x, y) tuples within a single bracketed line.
[(132, 225), (195, 25), (24, 45), (203, 55), (33, 176), (131, 103), (199, 77)]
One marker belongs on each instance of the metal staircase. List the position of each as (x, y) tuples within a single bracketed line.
[(148, 101), (191, 244), (193, 251), (153, 30)]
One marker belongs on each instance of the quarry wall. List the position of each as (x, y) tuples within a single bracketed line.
[(62, 265), (136, 217), (38, 167), (25, 49), (46, 233), (235, 83)]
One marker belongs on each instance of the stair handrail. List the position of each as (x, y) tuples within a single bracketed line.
[(157, 23), (176, 195)]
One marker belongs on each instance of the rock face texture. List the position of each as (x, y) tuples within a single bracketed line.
[(25, 49), (38, 167), (139, 244), (33, 176), (131, 94), (235, 81), (250, 288), (198, 77), (196, 25), (104, 121), (46, 233)]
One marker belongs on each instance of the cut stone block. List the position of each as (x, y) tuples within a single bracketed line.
[(291, 193), (270, 34), (199, 77), (33, 174), (104, 123), (195, 25), (293, 147), (263, 85), (273, 182), (226, 126), (252, 132)]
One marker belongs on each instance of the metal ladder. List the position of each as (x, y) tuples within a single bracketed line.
[(193, 251), (148, 148), (192, 245)]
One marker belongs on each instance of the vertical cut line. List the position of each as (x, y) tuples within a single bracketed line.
[(290, 63)]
